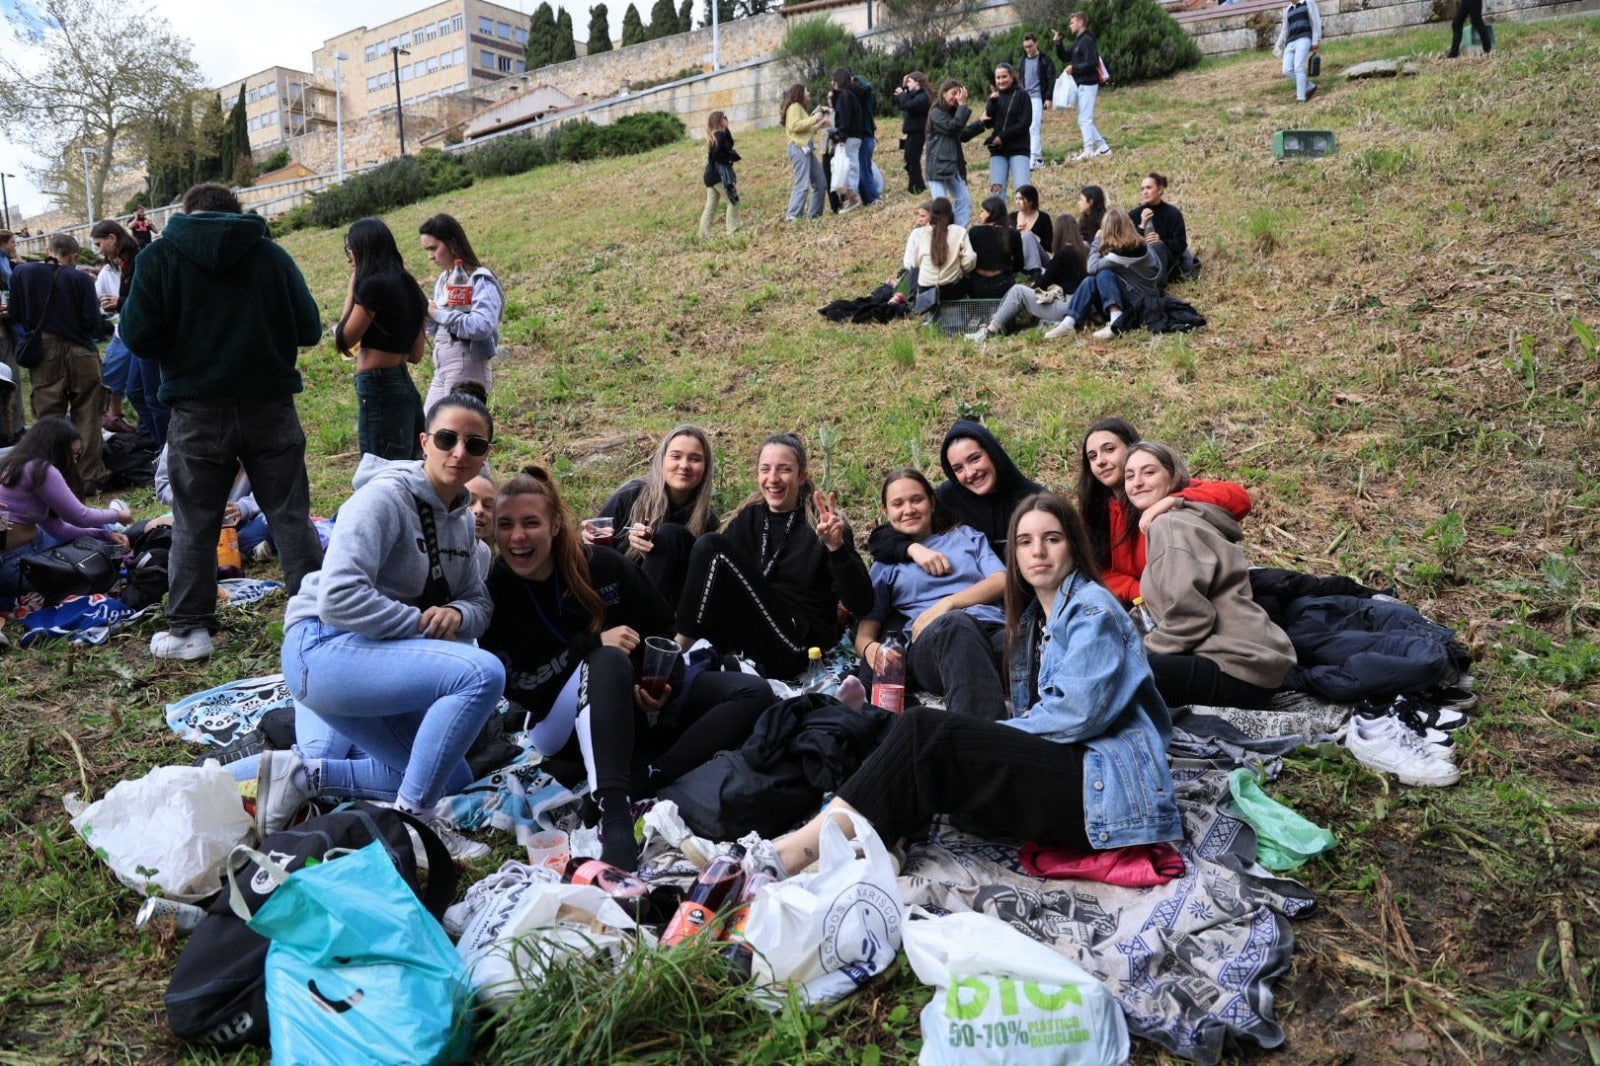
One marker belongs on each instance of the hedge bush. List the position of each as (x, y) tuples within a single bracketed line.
[(394, 184)]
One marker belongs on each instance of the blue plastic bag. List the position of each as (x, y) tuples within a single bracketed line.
[(359, 971)]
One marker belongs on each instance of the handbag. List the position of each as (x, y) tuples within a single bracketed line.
[(80, 567), (31, 354), (1314, 65), (1105, 75)]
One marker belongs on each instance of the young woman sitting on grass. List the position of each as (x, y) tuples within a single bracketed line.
[(998, 251), (1082, 764), (1212, 644), (1120, 265), (953, 619), (40, 500), (1064, 272), (939, 252)]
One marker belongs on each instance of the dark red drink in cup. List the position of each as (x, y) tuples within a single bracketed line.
[(660, 656)]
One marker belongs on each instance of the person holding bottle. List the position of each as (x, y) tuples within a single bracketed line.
[(1083, 762), (465, 330), (381, 326), (953, 619), (771, 586), (41, 499), (1212, 643)]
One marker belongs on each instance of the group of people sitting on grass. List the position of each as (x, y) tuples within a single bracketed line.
[(1015, 603), (1094, 267)]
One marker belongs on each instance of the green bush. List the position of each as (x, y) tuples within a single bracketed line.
[(628, 135), (813, 47), (276, 161), (507, 155), (1139, 40)]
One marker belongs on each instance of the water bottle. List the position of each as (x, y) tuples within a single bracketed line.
[(815, 679), (458, 288), (1143, 620), (889, 676), (718, 884)]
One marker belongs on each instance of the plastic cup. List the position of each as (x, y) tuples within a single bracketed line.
[(601, 530), (660, 656), (549, 848)]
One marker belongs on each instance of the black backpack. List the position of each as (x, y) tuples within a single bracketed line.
[(130, 458), (145, 578), (218, 992)]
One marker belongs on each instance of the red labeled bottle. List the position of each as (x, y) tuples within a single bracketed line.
[(889, 676), (458, 287), (718, 884), (632, 894), (738, 952)]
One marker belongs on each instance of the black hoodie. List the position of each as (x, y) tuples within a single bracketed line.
[(989, 514)]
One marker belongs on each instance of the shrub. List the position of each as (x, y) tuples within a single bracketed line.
[(276, 161), (1139, 40), (813, 47), (630, 134), (507, 155)]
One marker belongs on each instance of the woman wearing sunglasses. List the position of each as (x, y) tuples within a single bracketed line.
[(378, 643)]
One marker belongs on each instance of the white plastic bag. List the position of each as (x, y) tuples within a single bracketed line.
[(1002, 997), (840, 175), (516, 933), (1066, 93), (170, 832), (831, 931)]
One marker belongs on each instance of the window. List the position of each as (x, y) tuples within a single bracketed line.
[(522, 36), (270, 89), (432, 32), (417, 37), (372, 85), (444, 27), (461, 57), (456, 23), (521, 66), (486, 59), (405, 72), (502, 30), (504, 63), (485, 24), (433, 64), (370, 53), (447, 59), (272, 117)]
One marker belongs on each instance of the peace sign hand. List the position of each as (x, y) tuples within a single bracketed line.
[(830, 523)]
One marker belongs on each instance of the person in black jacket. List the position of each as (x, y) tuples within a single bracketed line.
[(999, 251), (1157, 220), (913, 97), (570, 622), (846, 116), (771, 586), (719, 178), (1037, 73), (1008, 119), (1083, 62)]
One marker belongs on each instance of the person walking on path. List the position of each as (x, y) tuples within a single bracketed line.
[(1298, 38)]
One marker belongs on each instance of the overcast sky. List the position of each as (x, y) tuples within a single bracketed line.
[(231, 41)]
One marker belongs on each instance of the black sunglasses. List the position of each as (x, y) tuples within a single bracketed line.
[(447, 439)]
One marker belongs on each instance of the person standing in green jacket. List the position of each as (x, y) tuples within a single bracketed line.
[(225, 311)]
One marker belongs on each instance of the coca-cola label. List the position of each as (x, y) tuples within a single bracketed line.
[(891, 698), (458, 295)]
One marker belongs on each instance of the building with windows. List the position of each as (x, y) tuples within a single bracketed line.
[(280, 103)]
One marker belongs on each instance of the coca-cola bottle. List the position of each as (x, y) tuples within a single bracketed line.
[(718, 884), (458, 287), (889, 676)]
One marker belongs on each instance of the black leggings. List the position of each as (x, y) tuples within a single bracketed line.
[(1184, 680), (728, 602), (958, 657), (1466, 9), (995, 779), (718, 715), (605, 691), (912, 146), (667, 561)]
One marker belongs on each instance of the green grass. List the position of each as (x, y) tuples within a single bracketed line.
[(1400, 363)]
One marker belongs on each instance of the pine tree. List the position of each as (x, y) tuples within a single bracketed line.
[(686, 16), (632, 26), (599, 29), (566, 46), (663, 20), (238, 144), (724, 12), (541, 37), (208, 144)]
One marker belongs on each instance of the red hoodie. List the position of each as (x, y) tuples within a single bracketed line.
[(1127, 557)]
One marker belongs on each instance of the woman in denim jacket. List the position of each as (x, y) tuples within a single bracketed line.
[(1084, 761)]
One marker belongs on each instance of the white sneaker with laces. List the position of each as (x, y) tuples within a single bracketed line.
[(461, 849), (1063, 328), (979, 335), (1084, 156), (263, 552), (282, 788), (1105, 333), (1104, 149), (1386, 745), (188, 646)]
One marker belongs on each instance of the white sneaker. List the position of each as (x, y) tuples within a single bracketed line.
[(281, 790), (460, 848), (1104, 149), (1063, 328), (263, 552), (979, 335), (1386, 745), (1105, 333), (190, 646), (1084, 156)]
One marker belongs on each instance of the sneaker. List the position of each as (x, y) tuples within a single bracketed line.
[(188, 646), (1103, 150), (263, 552), (1436, 739), (1063, 328), (849, 206), (1105, 333), (1085, 155), (1383, 744), (461, 849), (281, 790), (1311, 90), (978, 336)]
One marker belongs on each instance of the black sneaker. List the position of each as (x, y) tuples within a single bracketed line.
[(241, 747), (1424, 707), (1418, 724)]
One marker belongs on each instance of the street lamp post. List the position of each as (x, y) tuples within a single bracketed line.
[(88, 190), (5, 201), (399, 112), (338, 109)]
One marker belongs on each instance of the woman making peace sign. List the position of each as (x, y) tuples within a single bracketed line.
[(770, 587)]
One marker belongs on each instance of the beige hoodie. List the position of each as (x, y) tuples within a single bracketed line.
[(1196, 584)]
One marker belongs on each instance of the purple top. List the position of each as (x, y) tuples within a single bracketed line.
[(50, 505)]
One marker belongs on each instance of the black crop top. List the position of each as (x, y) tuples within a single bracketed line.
[(397, 308)]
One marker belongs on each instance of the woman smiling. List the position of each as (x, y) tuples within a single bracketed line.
[(663, 512)]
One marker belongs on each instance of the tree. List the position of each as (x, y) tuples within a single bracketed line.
[(920, 21), (566, 45), (541, 37), (686, 16), (724, 12), (239, 166), (632, 26), (663, 20), (599, 29), (103, 74)]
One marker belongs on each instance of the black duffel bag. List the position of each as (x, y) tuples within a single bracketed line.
[(218, 994), (78, 568)]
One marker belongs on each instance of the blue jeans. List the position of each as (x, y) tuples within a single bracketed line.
[(209, 440), (870, 190), (144, 387), (1036, 127), (346, 771), (414, 705), (11, 583), (389, 416), (1014, 167), (1102, 289), (958, 194), (253, 533), (1295, 54), (116, 366), (808, 178)]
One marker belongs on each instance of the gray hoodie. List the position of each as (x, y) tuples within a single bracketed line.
[(377, 563)]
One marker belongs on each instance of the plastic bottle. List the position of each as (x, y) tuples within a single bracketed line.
[(229, 562), (1143, 621), (889, 676), (458, 287), (815, 679), (738, 952), (630, 892), (718, 884)]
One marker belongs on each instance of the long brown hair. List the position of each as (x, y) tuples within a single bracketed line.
[(1117, 236), (565, 547), (1094, 499), (796, 94), (653, 504), (807, 500), (448, 232), (1018, 592), (941, 216)]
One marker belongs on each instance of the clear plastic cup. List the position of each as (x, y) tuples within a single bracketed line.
[(660, 656)]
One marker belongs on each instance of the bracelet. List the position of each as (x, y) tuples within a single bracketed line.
[(864, 651)]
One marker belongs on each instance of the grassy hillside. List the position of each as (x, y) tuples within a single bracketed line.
[(1400, 364)]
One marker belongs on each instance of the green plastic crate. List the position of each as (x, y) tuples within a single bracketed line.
[(1303, 144)]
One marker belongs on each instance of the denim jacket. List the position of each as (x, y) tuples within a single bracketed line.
[(1095, 689)]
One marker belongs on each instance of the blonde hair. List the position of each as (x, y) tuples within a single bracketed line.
[(1118, 236), (652, 505)]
